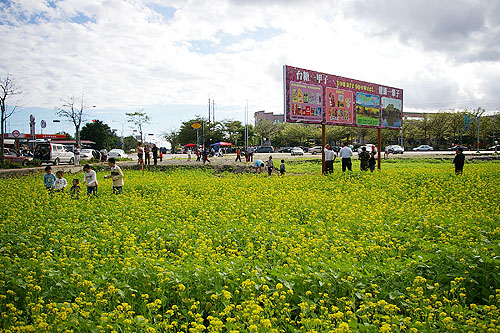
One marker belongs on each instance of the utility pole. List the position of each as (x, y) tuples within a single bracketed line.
[(478, 117), (246, 126), (209, 110), (213, 109)]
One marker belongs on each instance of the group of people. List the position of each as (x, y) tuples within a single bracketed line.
[(259, 165), (367, 160), (57, 182), (144, 154)]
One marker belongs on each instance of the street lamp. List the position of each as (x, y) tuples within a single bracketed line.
[(123, 124)]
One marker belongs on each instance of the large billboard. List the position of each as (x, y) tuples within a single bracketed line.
[(319, 98)]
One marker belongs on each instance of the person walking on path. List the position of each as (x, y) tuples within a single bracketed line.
[(346, 154), (330, 157), (205, 156), (250, 153), (459, 161), (364, 157), (238, 155), (155, 154), (77, 155)]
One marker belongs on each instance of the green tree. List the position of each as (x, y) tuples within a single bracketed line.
[(129, 142), (234, 132), (101, 134), (266, 129)]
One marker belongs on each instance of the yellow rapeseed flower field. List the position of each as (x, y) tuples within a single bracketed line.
[(413, 248)]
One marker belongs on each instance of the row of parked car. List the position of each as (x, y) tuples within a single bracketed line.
[(56, 153)]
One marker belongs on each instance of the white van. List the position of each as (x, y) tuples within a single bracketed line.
[(55, 153)]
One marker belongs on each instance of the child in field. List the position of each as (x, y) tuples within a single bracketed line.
[(116, 175), (60, 183), (90, 179), (270, 166), (75, 189), (371, 161), (282, 167), (49, 179)]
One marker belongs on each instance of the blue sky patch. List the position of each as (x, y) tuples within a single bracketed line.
[(225, 40), (82, 19), (165, 11)]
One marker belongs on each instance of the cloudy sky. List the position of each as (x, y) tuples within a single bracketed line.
[(168, 57)]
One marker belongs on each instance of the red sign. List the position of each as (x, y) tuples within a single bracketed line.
[(37, 136), (16, 133)]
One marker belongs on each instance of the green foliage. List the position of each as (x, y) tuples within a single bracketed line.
[(101, 134)]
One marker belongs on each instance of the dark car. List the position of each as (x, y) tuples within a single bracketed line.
[(13, 156), (262, 149), (458, 146), (284, 150)]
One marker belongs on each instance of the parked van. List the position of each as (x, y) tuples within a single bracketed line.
[(55, 153)]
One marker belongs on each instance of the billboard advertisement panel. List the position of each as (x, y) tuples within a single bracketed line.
[(320, 98)]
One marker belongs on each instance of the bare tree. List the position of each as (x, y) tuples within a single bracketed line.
[(8, 90), (74, 109), (139, 118)]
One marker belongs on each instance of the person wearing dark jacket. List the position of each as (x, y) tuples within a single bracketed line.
[(459, 161)]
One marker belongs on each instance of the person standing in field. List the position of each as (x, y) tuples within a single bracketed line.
[(238, 154), (371, 162), (459, 161), (205, 156), (155, 154), (75, 189), (364, 157), (140, 154), (270, 166), (330, 157), (282, 168), (90, 179), (116, 175), (346, 153), (49, 179), (60, 183), (147, 155)]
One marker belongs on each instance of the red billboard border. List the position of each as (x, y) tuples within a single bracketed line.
[(306, 76)]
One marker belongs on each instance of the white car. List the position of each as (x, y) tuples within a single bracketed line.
[(315, 150), (369, 148), (297, 151), (117, 153), (423, 148), (394, 149), (86, 154), (48, 152)]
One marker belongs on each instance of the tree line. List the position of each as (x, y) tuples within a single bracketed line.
[(440, 130)]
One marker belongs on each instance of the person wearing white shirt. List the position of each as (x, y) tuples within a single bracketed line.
[(60, 183), (90, 179), (330, 157), (346, 153)]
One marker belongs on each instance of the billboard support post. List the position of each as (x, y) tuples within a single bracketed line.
[(379, 147), (323, 144)]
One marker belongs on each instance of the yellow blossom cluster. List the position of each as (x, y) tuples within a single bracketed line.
[(413, 248)]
